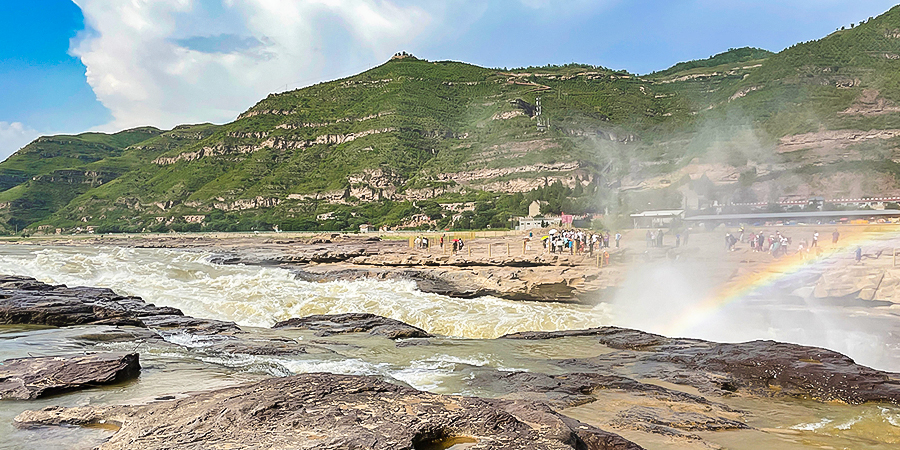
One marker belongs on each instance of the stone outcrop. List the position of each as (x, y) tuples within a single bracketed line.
[(329, 324), (776, 368), (548, 283), (24, 300), (534, 276), (870, 103), (661, 411), (483, 174), (857, 281), (273, 142), (31, 378), (326, 411), (763, 368), (832, 139)]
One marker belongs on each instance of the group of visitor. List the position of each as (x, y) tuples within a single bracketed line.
[(457, 245), (421, 242), (777, 244), (579, 242), (657, 238)]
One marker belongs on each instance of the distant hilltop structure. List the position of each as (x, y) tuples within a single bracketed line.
[(403, 55)]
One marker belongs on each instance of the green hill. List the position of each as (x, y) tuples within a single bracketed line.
[(48, 173), (447, 144)]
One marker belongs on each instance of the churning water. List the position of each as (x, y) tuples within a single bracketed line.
[(261, 296)]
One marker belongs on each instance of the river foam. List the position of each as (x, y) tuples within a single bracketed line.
[(260, 296)]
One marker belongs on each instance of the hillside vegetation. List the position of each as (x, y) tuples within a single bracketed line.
[(416, 143)]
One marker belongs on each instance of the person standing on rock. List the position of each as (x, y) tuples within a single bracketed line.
[(858, 254), (835, 236), (618, 238), (815, 240), (417, 242)]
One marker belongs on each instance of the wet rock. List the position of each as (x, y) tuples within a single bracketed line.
[(31, 378), (763, 368), (776, 368), (260, 347), (232, 343), (660, 410), (647, 417), (613, 337), (326, 411), (672, 422), (571, 389), (194, 325), (118, 334), (24, 300), (329, 324)]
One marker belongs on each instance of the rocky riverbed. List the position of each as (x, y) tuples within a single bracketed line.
[(504, 267), (604, 388), (518, 267)]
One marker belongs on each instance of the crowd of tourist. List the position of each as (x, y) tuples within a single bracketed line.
[(776, 243), (578, 242)]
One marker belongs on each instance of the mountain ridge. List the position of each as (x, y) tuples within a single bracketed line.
[(448, 144)]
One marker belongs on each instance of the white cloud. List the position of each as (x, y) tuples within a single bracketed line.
[(14, 136), (557, 6), (166, 62)]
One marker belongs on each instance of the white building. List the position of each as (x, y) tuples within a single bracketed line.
[(656, 219), (528, 223)]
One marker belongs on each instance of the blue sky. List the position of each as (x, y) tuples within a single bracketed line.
[(71, 66)]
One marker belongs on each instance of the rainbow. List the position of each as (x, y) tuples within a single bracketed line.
[(780, 269)]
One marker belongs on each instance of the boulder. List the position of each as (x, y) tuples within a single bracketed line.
[(31, 378), (327, 411)]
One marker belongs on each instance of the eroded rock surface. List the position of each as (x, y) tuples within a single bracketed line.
[(329, 324), (640, 406), (763, 368), (24, 300), (31, 378), (539, 283), (326, 411), (769, 367)]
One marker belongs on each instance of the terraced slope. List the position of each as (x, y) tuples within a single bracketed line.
[(448, 144), (50, 172), (409, 130)]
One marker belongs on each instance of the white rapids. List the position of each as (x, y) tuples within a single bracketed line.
[(260, 296)]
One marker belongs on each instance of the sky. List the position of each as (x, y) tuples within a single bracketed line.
[(69, 66)]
